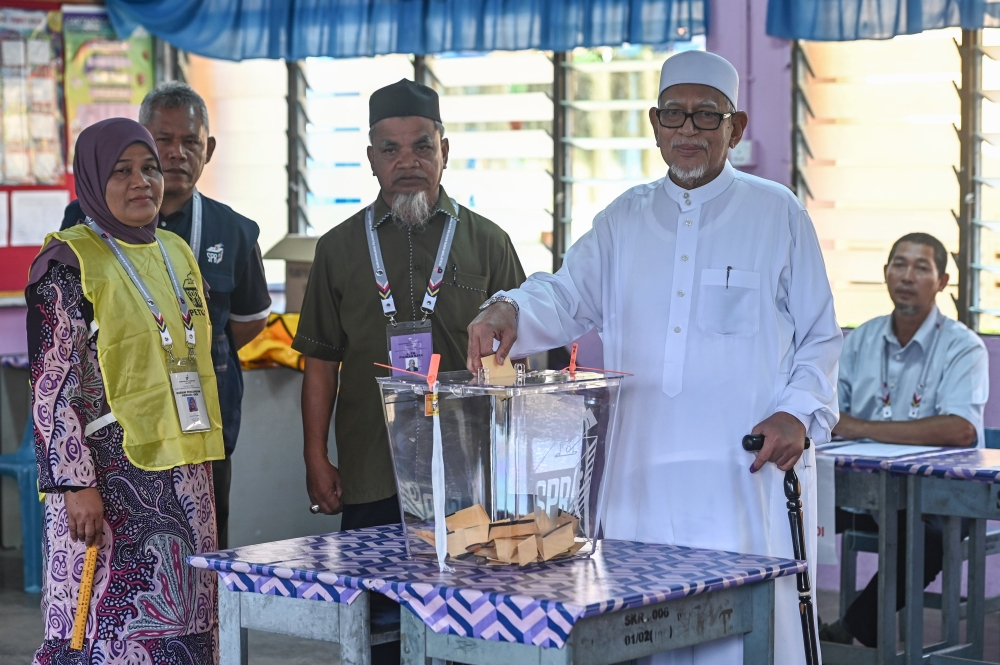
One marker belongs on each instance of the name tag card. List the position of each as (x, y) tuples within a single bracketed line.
[(191, 410), (410, 346)]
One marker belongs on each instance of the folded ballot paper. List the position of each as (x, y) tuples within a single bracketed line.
[(543, 537)]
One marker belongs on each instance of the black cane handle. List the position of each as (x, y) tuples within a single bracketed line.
[(754, 442)]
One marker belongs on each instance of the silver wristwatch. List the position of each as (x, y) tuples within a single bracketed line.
[(507, 299)]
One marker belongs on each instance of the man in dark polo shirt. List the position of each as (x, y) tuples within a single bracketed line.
[(223, 241), (342, 330)]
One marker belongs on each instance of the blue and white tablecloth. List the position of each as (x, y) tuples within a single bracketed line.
[(963, 464), (536, 605), (980, 464)]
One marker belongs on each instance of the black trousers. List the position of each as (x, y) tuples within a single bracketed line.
[(861, 618), (359, 516), (222, 478), (376, 513)]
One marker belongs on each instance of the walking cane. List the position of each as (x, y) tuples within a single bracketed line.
[(793, 492)]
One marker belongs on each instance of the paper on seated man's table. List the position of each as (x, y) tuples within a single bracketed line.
[(875, 449), (826, 491)]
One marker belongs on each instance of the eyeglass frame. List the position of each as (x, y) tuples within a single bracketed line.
[(722, 116)]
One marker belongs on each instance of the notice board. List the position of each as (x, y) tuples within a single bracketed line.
[(62, 68)]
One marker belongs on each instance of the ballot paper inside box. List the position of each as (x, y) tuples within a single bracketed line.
[(523, 462)]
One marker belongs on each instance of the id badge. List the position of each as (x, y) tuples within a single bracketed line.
[(188, 397), (410, 346)]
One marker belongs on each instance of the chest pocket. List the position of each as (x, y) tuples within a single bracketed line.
[(463, 293), (729, 304), (467, 283)]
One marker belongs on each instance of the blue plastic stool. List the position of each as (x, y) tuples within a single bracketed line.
[(21, 465)]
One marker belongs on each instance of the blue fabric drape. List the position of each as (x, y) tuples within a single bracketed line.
[(295, 29), (844, 20)]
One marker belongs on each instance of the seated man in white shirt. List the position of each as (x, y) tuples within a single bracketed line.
[(913, 377)]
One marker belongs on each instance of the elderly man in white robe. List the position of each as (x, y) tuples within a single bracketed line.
[(709, 286)]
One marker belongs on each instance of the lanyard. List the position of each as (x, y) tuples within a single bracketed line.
[(918, 394), (382, 278), (133, 274), (195, 225)]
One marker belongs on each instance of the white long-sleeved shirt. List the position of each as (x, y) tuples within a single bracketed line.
[(953, 361), (716, 299)]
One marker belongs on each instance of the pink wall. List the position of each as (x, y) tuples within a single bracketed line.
[(737, 32), (13, 338)]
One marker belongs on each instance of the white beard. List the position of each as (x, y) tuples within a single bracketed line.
[(688, 175), (411, 210)]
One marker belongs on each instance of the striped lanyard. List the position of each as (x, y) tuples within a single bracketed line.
[(195, 243), (382, 278), (154, 309), (918, 394)]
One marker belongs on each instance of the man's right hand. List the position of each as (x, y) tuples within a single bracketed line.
[(323, 485), (498, 321)]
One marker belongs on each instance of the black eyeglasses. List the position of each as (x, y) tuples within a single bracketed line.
[(704, 120)]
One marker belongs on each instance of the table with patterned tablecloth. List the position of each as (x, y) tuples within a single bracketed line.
[(955, 484), (862, 483), (533, 607), (921, 480)]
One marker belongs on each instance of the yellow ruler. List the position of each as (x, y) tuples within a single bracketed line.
[(83, 599)]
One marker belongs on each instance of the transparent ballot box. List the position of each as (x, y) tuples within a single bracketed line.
[(526, 461)]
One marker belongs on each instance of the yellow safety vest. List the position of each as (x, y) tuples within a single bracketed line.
[(129, 351)]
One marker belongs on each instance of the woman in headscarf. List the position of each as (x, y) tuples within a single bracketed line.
[(116, 323)]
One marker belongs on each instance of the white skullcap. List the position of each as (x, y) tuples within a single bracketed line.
[(703, 68)]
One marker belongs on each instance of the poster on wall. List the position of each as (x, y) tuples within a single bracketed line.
[(32, 150), (4, 226), (106, 77), (34, 214)]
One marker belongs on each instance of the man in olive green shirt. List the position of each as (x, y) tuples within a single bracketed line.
[(342, 330)]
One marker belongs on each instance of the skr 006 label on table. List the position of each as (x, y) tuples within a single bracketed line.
[(633, 618)]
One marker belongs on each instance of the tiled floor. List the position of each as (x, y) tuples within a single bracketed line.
[(20, 627)]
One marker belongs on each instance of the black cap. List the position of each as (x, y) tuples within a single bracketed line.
[(403, 98)]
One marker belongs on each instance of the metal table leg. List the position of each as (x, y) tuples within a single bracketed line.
[(232, 634), (355, 631), (349, 625), (888, 542), (951, 580), (758, 644), (413, 640), (883, 494), (913, 618), (974, 617)]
